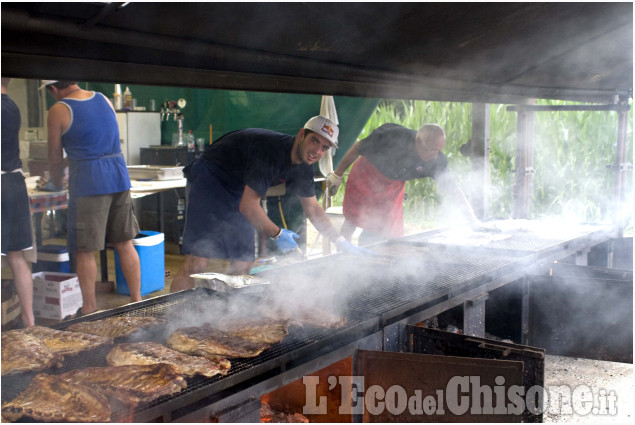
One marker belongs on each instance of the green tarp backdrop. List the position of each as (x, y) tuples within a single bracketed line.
[(229, 110)]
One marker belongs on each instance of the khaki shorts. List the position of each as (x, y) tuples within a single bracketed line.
[(92, 219)]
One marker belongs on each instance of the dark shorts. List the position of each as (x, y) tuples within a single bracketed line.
[(214, 227), (16, 214), (92, 219)]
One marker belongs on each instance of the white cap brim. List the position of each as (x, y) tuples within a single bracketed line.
[(325, 128), (47, 83)]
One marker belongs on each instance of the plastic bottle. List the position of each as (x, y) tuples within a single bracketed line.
[(118, 101), (191, 145), (127, 99)]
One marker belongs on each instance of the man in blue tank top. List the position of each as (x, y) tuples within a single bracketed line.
[(84, 124)]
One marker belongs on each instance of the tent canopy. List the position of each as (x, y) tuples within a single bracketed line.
[(492, 52)]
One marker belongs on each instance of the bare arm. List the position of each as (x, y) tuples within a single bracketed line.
[(318, 217), (349, 157), (58, 120), (252, 210)]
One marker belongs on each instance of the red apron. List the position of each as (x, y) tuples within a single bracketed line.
[(374, 202)]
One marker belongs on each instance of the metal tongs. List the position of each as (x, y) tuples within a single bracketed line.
[(299, 252), (485, 227)]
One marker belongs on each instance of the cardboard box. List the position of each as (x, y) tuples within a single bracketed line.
[(56, 295), (11, 312)]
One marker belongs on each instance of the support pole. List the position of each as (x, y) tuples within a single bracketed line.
[(479, 193), (523, 186), (620, 160)]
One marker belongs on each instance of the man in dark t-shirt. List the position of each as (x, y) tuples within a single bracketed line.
[(225, 186), (388, 157), (16, 214)]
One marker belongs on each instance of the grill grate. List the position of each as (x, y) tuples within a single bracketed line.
[(434, 276), (381, 284), (518, 235), (408, 273)]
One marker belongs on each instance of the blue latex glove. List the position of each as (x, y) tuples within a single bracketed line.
[(345, 246), (50, 187), (286, 242)]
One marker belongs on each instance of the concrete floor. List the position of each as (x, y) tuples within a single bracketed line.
[(112, 299), (583, 377)]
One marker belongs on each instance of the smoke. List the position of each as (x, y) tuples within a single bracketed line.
[(577, 313), (564, 186)]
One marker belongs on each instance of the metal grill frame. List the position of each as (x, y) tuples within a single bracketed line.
[(383, 328), (390, 302), (543, 249), (300, 345)]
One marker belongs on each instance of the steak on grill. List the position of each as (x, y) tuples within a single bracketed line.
[(209, 342), (116, 327), (129, 384), (262, 330), (67, 343), (22, 352), (145, 353), (310, 316), (50, 399)]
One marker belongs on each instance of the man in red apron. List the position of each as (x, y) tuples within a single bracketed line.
[(388, 157)]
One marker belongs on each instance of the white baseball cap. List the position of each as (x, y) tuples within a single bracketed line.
[(47, 83), (324, 127)]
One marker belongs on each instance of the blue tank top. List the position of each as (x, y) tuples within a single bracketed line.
[(95, 162)]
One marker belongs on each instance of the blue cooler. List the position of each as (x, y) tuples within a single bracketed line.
[(52, 258), (151, 249)]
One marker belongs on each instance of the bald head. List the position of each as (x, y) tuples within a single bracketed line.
[(5, 84), (429, 141)]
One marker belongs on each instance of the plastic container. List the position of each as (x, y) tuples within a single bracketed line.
[(151, 249), (52, 258), (118, 100), (127, 99), (191, 144)]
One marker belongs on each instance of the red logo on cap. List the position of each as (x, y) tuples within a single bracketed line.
[(327, 129)]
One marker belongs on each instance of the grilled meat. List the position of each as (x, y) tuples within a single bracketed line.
[(146, 353), (22, 352), (264, 330), (116, 327), (67, 343), (314, 317), (50, 399), (130, 384), (209, 342)]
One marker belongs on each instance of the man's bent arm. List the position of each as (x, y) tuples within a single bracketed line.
[(318, 217), (55, 125), (252, 210), (348, 158)]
